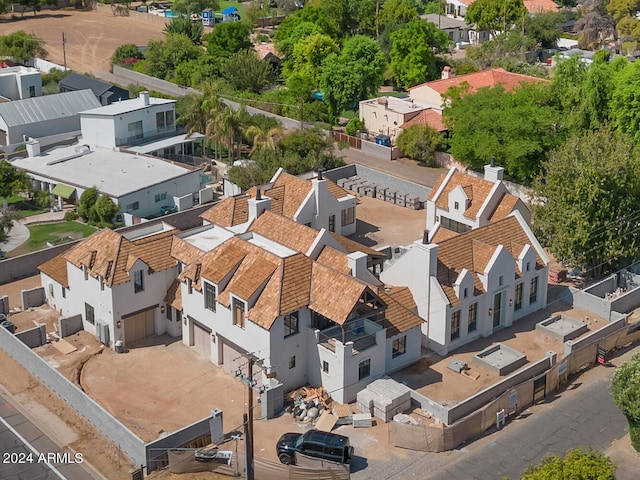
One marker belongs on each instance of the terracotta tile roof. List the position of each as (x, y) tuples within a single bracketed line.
[(56, 268), (335, 190), (477, 189), (333, 295), (461, 251), (352, 246), (486, 78), (430, 117), (252, 273), (184, 252), (296, 283), (174, 295), (110, 255), (293, 235), (221, 261), (435, 188), (443, 234), (400, 313), (332, 258), (505, 206), (538, 6)]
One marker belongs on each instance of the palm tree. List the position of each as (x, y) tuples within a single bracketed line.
[(229, 122), (269, 139), (197, 111)]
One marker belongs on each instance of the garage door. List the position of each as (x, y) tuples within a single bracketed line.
[(232, 358), (201, 339), (139, 326)]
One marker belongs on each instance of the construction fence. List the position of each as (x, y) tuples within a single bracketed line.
[(439, 437)]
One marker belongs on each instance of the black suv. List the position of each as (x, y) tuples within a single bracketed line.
[(314, 443)]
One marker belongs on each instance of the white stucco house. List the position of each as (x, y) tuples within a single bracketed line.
[(469, 285), (318, 203), (142, 125), (293, 298), (116, 282), (460, 202), (20, 82)]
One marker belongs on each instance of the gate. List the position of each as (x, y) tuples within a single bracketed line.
[(539, 388)]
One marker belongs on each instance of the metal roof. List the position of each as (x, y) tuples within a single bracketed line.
[(73, 81), (47, 107)]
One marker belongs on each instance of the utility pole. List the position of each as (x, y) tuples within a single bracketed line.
[(248, 417), (301, 113), (64, 51)]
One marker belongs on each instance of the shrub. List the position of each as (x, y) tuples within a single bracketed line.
[(420, 142), (70, 216), (353, 126)]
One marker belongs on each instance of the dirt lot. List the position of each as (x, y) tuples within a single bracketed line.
[(92, 36), (381, 223)]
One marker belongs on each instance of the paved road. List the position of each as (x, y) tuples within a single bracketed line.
[(27, 454), (582, 415)]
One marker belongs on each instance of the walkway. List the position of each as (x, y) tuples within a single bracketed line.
[(20, 233)]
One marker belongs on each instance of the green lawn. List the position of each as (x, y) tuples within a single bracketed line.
[(24, 207), (51, 232)]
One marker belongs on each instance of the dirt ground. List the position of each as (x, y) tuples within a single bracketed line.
[(13, 289), (380, 224), (91, 36)]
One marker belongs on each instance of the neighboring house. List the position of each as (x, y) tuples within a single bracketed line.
[(43, 116), (20, 82), (434, 92), (116, 282), (142, 125), (459, 202), (142, 186), (104, 92), (472, 284), (317, 203), (291, 297), (458, 8), (390, 115), (457, 29)]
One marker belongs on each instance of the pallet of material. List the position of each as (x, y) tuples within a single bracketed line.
[(370, 191), (362, 420), (341, 182), (472, 374), (390, 196), (413, 202), (400, 197), (381, 192), (363, 187)]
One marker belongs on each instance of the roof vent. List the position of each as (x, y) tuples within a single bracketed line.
[(425, 237), (258, 194)]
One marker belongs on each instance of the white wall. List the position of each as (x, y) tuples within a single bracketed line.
[(15, 86), (413, 349), (426, 94), (378, 119), (98, 130), (41, 129)]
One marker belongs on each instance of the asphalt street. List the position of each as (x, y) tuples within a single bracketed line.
[(28, 454), (582, 415)]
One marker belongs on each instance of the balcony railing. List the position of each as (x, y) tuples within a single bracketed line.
[(361, 332), (150, 136)]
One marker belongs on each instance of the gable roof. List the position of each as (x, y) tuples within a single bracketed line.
[(400, 311), (429, 116), (229, 212), (56, 268), (477, 190), (486, 78), (47, 107), (280, 229), (538, 6), (352, 246), (472, 251), (110, 255), (75, 81)]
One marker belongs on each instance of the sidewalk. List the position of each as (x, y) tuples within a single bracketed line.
[(403, 168), (20, 233)]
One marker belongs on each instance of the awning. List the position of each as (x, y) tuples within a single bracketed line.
[(64, 191), (165, 143)]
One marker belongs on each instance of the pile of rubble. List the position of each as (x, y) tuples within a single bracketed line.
[(309, 403)]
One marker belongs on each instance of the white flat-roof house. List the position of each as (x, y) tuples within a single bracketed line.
[(270, 291), (469, 285), (456, 28), (142, 186), (459, 202), (317, 203), (142, 125), (20, 82), (43, 116), (116, 282)]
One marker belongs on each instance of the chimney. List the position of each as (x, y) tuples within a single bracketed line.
[(320, 174), (358, 264), (446, 73), (33, 148), (493, 173), (144, 98), (322, 197), (425, 237), (431, 250), (258, 205)]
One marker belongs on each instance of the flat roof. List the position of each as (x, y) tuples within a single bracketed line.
[(124, 106), (270, 246), (209, 238), (401, 105), (112, 172), (165, 143)]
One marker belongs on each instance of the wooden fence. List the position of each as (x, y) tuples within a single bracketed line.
[(354, 142)]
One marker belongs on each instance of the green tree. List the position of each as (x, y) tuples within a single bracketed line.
[(576, 465), (596, 92), (353, 126), (12, 180), (398, 12), (245, 71), (228, 38), (267, 139), (508, 46), (342, 12), (290, 30), (36, 5), (286, 45), (420, 142), (42, 198), (105, 210), (21, 46), (7, 217), (495, 15), (185, 26), (354, 75), (126, 52), (86, 204), (519, 128), (625, 100), (590, 191), (306, 61), (567, 88), (543, 28), (413, 60), (625, 388), (193, 6), (163, 57)]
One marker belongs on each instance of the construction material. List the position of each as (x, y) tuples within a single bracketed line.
[(64, 346), (457, 366), (406, 419), (472, 374), (388, 397), (362, 420), (326, 422)]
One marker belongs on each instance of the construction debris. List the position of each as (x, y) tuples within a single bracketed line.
[(309, 403)]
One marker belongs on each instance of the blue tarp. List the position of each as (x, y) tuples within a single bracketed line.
[(229, 10)]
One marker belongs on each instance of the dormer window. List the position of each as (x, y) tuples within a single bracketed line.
[(238, 313), (138, 281), (209, 297)]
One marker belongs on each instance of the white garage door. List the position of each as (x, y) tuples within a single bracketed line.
[(232, 358), (139, 326), (201, 339)]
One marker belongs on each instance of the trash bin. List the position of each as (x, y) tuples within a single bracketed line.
[(119, 346), (9, 326)]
